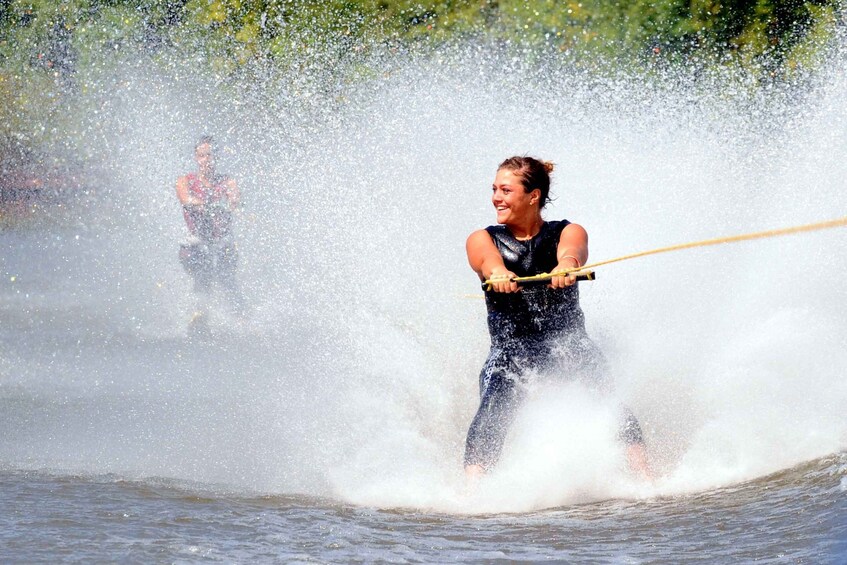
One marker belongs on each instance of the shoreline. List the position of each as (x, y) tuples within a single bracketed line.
[(27, 193)]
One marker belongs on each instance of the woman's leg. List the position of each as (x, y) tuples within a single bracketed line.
[(227, 267), (500, 397)]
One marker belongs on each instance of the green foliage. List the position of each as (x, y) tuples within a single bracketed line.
[(49, 48)]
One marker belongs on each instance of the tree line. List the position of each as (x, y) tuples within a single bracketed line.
[(46, 46)]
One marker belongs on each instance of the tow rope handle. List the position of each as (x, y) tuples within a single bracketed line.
[(585, 272), (543, 279)]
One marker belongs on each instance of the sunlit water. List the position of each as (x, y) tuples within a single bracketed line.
[(330, 426)]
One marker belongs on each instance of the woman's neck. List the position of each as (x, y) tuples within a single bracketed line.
[(206, 176), (528, 229)]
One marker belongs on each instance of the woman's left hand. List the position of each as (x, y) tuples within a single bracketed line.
[(561, 281)]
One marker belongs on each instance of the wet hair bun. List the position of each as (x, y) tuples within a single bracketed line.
[(548, 166)]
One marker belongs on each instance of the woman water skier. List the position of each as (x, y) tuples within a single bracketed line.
[(541, 328), (209, 202)]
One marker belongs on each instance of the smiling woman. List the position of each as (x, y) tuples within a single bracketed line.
[(533, 330)]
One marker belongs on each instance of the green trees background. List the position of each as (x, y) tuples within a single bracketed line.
[(49, 47)]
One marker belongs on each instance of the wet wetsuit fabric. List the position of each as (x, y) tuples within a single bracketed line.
[(536, 330), (211, 222), (212, 255)]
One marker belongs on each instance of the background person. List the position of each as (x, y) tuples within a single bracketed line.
[(209, 203)]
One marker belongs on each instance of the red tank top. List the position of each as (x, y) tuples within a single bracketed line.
[(211, 221)]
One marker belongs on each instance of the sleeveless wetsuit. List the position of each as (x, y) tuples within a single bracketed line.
[(539, 329), (211, 222), (212, 256)]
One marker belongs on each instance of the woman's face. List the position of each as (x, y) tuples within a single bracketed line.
[(510, 200), (205, 158)]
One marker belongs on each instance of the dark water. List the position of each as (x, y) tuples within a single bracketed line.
[(795, 516)]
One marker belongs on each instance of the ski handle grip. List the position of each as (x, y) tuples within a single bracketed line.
[(528, 282)]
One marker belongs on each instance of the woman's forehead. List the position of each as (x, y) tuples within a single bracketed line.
[(507, 176)]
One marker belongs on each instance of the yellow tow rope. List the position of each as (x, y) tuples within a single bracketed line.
[(586, 270)]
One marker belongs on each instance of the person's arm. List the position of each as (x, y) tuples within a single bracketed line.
[(185, 197), (233, 194), (571, 252), (486, 261)]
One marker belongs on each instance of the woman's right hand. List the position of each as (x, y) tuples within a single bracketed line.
[(502, 280)]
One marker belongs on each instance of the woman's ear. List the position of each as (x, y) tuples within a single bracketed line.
[(534, 196)]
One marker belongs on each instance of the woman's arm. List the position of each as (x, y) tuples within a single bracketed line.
[(233, 194), (185, 197), (571, 252), (486, 261)]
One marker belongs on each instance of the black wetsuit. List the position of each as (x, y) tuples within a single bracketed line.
[(539, 329)]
